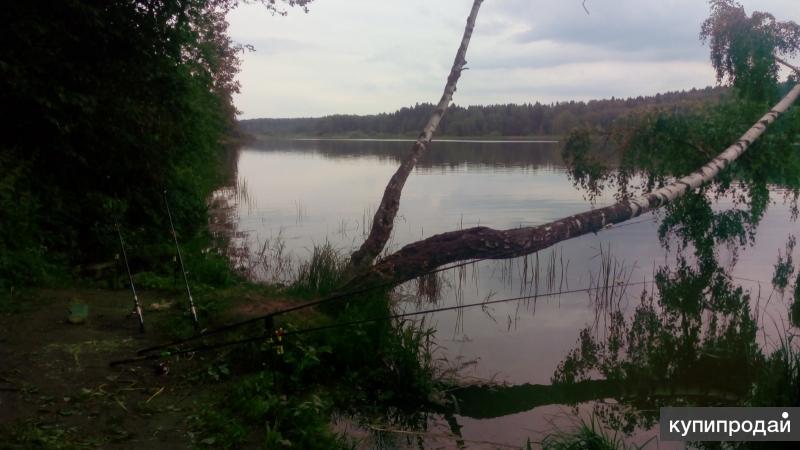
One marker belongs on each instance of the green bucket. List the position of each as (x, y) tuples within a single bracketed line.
[(78, 313)]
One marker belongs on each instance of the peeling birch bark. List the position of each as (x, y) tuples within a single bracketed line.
[(383, 221), (423, 256)]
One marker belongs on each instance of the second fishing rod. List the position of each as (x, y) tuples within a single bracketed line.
[(137, 306), (192, 308), (170, 351)]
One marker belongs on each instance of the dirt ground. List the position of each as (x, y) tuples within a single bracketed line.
[(58, 391)]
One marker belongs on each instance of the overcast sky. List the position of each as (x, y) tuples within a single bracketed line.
[(371, 56)]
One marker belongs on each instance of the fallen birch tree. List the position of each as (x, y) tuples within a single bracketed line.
[(479, 243)]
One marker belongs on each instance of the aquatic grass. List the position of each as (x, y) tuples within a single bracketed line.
[(779, 381), (777, 385), (429, 287), (366, 222), (241, 195), (272, 263), (588, 435), (382, 371), (609, 286), (381, 360), (321, 274), (301, 212)]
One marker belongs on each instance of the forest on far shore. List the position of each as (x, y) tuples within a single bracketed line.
[(527, 119)]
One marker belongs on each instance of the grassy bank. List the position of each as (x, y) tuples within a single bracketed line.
[(63, 394)]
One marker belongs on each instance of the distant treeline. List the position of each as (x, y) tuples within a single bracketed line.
[(528, 119)]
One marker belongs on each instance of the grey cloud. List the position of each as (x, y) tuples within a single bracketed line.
[(536, 59), (660, 29)]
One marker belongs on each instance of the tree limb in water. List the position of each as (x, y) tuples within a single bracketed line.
[(383, 221), (423, 256)]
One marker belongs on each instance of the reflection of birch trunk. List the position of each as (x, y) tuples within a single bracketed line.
[(383, 221), (485, 243)]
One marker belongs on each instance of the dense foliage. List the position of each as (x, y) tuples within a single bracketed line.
[(106, 104), (491, 120), (697, 319), (743, 48)]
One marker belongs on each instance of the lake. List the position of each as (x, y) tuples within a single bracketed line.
[(294, 194)]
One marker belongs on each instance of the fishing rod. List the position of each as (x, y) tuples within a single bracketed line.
[(192, 309), (280, 333), (136, 305), (270, 316), (330, 298)]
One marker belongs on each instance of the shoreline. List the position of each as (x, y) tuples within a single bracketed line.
[(454, 139)]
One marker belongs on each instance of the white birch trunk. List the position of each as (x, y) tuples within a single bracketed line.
[(423, 256)]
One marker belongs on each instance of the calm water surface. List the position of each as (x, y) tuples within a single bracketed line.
[(293, 195)]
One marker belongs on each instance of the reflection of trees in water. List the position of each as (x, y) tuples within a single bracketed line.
[(652, 150), (694, 326), (692, 339), (441, 155)]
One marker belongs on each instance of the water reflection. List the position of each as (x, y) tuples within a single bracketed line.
[(494, 155), (618, 323), (693, 339)]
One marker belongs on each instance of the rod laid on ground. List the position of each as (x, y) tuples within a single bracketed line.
[(269, 316), (207, 347), (192, 309), (136, 305), (169, 350)]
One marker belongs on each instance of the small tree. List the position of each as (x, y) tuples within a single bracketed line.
[(745, 50)]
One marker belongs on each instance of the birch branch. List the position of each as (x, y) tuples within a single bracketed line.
[(383, 221), (423, 256), (794, 68)]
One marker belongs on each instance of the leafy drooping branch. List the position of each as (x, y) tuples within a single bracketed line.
[(744, 49), (383, 222)]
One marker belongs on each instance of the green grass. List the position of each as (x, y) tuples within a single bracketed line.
[(26, 435), (253, 396), (379, 370), (779, 381), (589, 435), (321, 274), (254, 413)]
